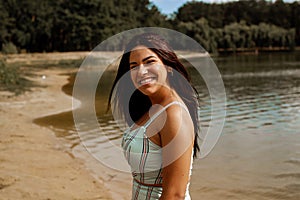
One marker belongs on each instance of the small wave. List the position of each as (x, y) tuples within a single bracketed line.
[(293, 161), (288, 175), (273, 73)]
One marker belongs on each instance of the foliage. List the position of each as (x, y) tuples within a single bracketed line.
[(272, 19), (72, 25), (11, 80), (240, 35), (9, 48), (202, 33), (80, 25)]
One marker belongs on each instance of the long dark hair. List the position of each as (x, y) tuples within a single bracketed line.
[(138, 103)]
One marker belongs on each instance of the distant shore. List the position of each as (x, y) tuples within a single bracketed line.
[(55, 58), (256, 50)]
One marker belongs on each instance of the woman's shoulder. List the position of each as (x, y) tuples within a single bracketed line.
[(178, 115), (176, 109), (178, 125)]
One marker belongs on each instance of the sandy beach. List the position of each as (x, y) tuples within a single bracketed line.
[(34, 163)]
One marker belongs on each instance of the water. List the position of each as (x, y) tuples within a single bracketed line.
[(258, 153)]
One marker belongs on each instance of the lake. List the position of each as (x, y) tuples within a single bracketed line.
[(258, 153)]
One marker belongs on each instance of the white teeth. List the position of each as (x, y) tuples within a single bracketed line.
[(145, 81)]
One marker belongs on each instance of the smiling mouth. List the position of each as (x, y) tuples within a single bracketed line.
[(146, 81)]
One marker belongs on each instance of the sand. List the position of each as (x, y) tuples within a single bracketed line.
[(34, 163)]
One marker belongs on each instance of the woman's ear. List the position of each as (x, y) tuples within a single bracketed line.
[(170, 70)]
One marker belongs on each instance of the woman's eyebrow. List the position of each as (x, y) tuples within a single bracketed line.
[(147, 58)]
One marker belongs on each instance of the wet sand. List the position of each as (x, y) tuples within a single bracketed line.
[(34, 163)]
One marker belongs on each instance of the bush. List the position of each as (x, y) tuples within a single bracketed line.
[(10, 79), (9, 48)]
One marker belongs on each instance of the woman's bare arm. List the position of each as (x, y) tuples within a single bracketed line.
[(177, 138)]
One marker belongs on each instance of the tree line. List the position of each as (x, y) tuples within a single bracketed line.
[(80, 25)]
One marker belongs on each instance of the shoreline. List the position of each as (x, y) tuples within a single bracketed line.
[(35, 164), (117, 182)]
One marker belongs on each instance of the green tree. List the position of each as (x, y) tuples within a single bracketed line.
[(31, 23), (236, 35), (202, 33), (6, 25)]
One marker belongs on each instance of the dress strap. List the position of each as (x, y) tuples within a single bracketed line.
[(162, 110)]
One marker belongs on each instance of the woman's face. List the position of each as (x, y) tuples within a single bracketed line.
[(148, 72)]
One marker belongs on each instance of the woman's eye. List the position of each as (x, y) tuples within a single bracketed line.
[(151, 62), (133, 67)]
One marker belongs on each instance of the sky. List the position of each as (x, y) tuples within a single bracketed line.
[(169, 6)]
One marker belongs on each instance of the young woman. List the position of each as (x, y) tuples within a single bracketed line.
[(162, 116)]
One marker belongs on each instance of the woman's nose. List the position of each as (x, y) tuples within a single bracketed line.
[(143, 70)]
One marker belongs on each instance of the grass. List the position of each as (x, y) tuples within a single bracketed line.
[(11, 79)]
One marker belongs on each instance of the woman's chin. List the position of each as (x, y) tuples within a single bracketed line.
[(147, 90)]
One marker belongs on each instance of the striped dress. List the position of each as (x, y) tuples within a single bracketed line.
[(145, 160)]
